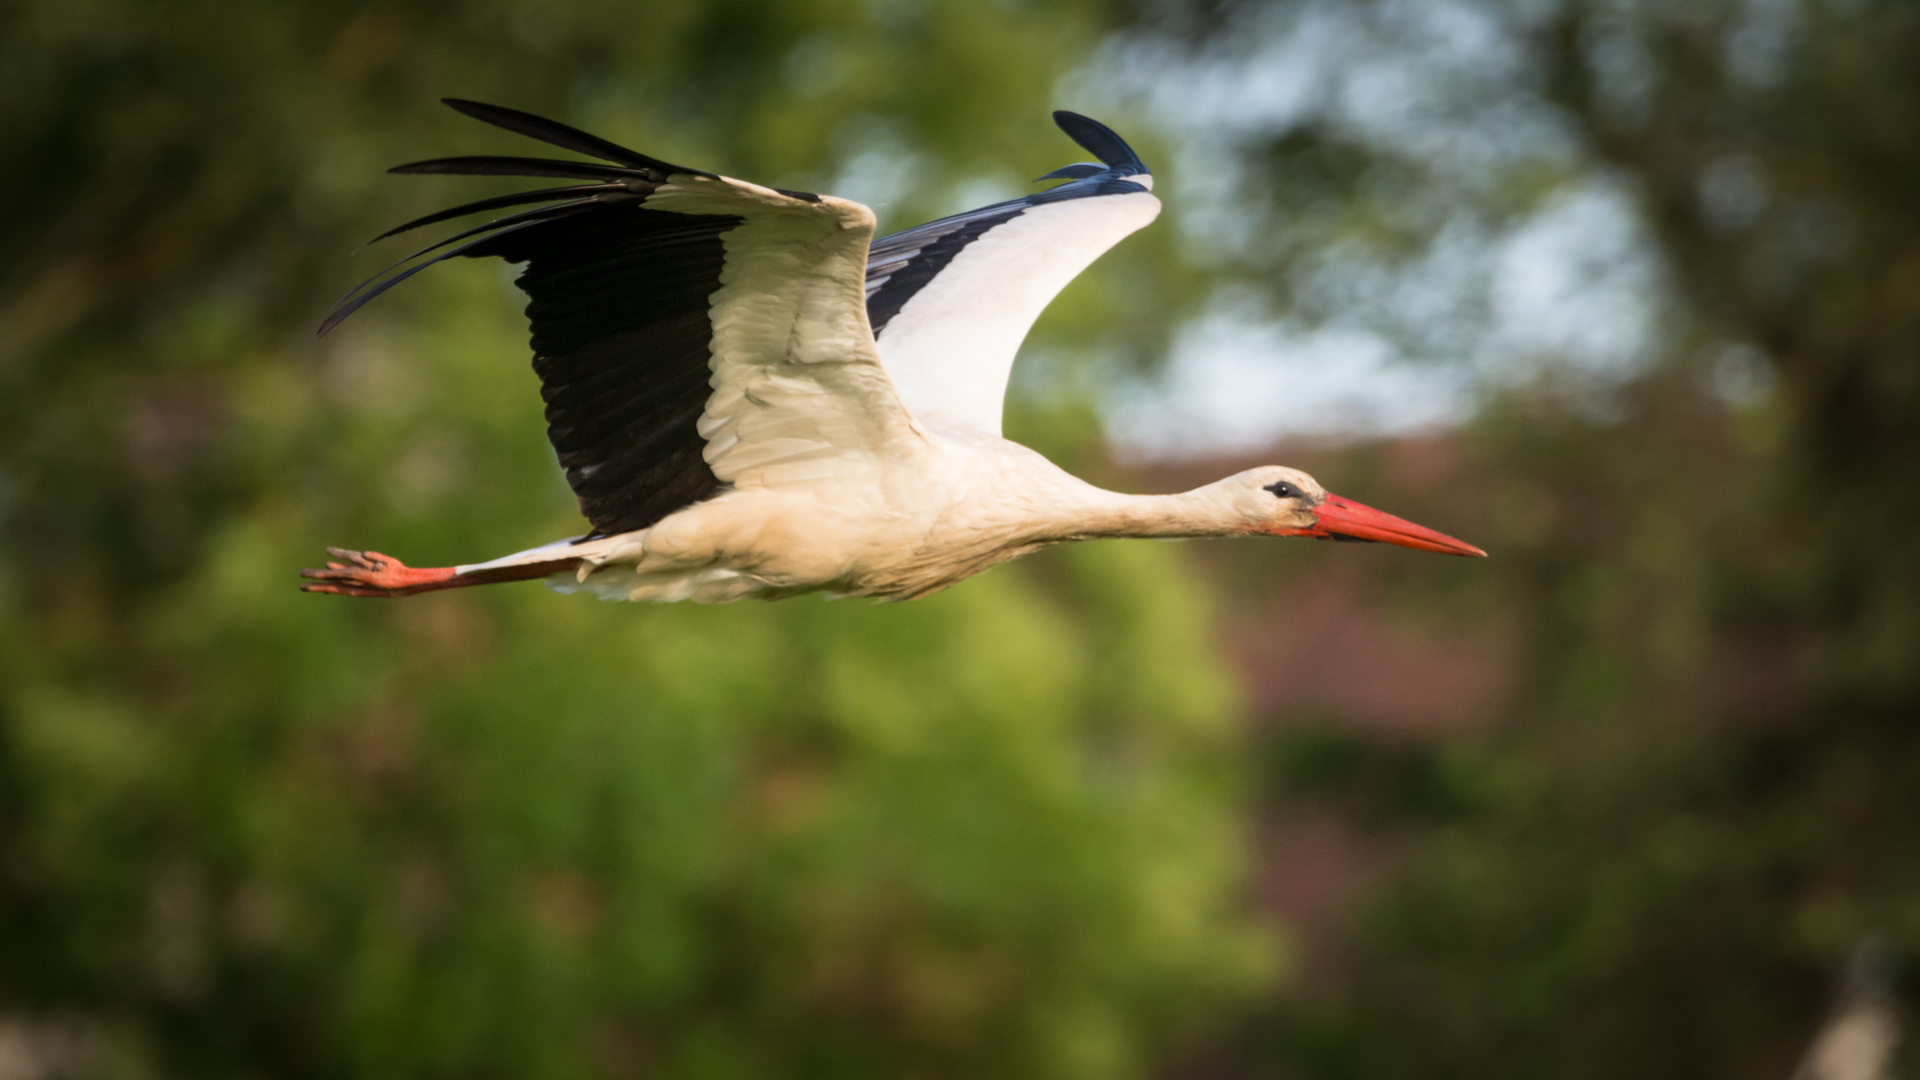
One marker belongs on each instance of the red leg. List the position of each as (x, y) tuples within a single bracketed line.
[(369, 573)]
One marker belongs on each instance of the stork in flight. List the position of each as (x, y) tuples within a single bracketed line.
[(753, 397)]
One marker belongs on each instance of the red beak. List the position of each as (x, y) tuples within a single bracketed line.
[(1344, 519)]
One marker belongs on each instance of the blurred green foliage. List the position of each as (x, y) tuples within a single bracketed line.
[(248, 832)]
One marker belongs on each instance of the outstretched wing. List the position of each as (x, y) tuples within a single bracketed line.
[(951, 300), (690, 331)]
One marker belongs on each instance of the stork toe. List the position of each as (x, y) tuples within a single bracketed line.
[(369, 573)]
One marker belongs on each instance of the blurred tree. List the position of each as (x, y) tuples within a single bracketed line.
[(246, 832), (1705, 784)]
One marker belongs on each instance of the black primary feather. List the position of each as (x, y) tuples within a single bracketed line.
[(622, 340), (517, 199), (516, 166), (619, 300), (351, 303), (1079, 171), (564, 136), (1101, 140), (355, 299)]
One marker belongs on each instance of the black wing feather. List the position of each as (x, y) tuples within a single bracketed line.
[(354, 300), (1100, 140), (564, 136), (519, 198), (622, 339), (487, 165), (619, 300), (1078, 171), (352, 303)]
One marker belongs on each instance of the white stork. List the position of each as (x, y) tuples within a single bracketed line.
[(753, 397)]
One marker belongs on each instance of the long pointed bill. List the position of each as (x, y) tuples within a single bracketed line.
[(1344, 519)]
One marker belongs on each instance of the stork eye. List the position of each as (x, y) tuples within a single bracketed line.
[(1284, 490)]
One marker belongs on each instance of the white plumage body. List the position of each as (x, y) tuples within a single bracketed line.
[(918, 526)]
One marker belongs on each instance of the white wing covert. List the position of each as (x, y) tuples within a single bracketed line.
[(798, 387), (950, 301)]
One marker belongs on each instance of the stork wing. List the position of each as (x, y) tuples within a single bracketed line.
[(689, 330), (951, 300)]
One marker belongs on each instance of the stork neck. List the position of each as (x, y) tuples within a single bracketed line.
[(1201, 512)]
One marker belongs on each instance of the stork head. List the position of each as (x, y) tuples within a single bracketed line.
[(1279, 501)]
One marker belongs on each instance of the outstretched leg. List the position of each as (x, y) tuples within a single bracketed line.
[(369, 573)]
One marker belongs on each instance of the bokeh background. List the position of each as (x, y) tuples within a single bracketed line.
[(1625, 291)]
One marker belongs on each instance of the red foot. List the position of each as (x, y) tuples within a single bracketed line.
[(369, 573)]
